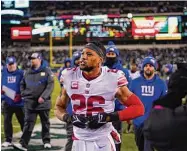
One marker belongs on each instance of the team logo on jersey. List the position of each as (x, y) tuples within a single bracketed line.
[(42, 73), (87, 85), (11, 79), (147, 90), (74, 84)]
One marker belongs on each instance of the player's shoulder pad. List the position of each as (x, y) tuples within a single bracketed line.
[(68, 71), (121, 79), (116, 72)]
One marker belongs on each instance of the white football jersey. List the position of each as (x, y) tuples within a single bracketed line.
[(92, 97)]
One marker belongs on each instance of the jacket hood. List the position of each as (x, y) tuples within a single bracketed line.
[(76, 55)]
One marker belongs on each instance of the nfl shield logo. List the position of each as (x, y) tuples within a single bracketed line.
[(87, 85), (74, 84)]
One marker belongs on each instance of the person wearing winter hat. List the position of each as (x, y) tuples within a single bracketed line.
[(75, 58), (67, 64), (148, 87), (12, 103), (36, 88), (113, 62)]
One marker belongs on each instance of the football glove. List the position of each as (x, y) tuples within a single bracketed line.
[(77, 120), (101, 119)]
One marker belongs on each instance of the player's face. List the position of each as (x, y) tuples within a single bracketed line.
[(111, 54), (149, 70), (11, 67), (89, 60)]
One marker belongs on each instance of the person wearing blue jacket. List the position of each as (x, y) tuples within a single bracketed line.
[(67, 64), (69, 126), (10, 82), (75, 58), (148, 87), (113, 62)]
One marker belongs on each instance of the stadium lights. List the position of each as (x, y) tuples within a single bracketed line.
[(12, 12), (15, 22), (78, 17), (41, 30), (129, 15)]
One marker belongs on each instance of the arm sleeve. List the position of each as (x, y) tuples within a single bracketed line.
[(50, 85), (134, 109)]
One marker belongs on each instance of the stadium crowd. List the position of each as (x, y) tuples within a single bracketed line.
[(98, 7), (163, 56)]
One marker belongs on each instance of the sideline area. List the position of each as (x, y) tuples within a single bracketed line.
[(58, 137)]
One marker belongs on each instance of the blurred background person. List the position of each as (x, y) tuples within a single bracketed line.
[(67, 64), (36, 88), (148, 87), (10, 83), (166, 127), (113, 62), (75, 58), (134, 70), (168, 70)]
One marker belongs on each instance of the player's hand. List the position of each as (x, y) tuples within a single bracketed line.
[(2, 92), (98, 120), (40, 100), (80, 121)]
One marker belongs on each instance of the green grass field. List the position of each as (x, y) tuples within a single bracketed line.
[(128, 143)]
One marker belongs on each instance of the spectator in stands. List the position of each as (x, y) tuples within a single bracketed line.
[(12, 102), (148, 87), (36, 88), (164, 55), (113, 62)]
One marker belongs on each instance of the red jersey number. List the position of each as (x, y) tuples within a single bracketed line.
[(87, 104)]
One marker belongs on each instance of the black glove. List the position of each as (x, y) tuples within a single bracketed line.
[(77, 120), (80, 121), (101, 119)]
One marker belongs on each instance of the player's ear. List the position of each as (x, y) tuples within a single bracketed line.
[(101, 60)]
